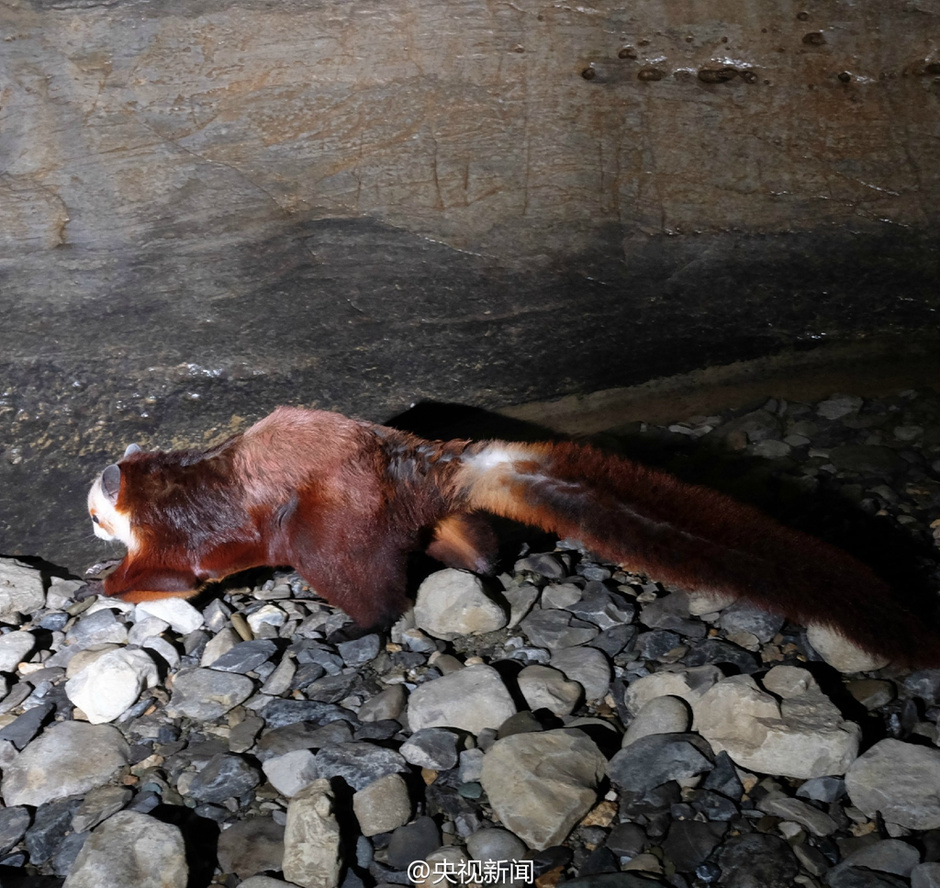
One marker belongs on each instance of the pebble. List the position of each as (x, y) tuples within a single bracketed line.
[(239, 713)]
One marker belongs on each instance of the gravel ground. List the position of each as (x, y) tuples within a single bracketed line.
[(565, 722)]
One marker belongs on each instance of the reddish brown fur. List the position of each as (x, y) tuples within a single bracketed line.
[(344, 502)]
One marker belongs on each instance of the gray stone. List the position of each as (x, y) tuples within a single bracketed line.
[(108, 686), (359, 651), (744, 617), (452, 603), (99, 804), (14, 647), (605, 609), (387, 703), (218, 645), (100, 627), (839, 406), (21, 589), (887, 856), (541, 785), (26, 726), (473, 698), (434, 748), (926, 875), (13, 824), (245, 656), (898, 781), (250, 846), (57, 764), (661, 715), (414, 841), (312, 850), (866, 459), (131, 849), (556, 629), (148, 627), (655, 759), (263, 882), (810, 818), (206, 694), (223, 777), (587, 666), (757, 861), (359, 762), (547, 688), (495, 844), (382, 805)]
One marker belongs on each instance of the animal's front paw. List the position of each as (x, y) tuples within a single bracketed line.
[(102, 567), (89, 590)]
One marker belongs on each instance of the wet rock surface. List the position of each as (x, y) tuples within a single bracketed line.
[(613, 732)]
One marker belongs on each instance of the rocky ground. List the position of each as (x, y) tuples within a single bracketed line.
[(566, 723)]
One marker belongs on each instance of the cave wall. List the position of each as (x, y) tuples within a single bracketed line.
[(211, 207)]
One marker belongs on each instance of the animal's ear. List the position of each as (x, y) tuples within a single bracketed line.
[(111, 482), (132, 448)]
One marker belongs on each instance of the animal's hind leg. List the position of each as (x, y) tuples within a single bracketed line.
[(368, 584)]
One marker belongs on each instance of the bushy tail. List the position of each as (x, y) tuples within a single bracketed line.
[(695, 538)]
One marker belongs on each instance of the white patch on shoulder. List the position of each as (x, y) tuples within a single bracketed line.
[(109, 523)]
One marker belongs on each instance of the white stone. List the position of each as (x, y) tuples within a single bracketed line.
[(291, 772), (113, 682), (21, 589), (451, 603), (312, 857), (178, 612), (473, 698), (802, 735), (541, 784)]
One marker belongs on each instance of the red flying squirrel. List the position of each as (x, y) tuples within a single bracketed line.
[(345, 501)]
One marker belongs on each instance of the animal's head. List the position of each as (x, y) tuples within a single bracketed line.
[(109, 522)]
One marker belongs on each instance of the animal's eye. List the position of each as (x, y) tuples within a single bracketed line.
[(95, 519)]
